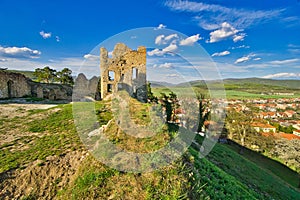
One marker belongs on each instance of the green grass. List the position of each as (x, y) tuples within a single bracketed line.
[(95, 180), (233, 90), (223, 174), (271, 166), (267, 184), (218, 184), (56, 135)]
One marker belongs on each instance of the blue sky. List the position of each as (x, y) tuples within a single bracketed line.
[(243, 38)]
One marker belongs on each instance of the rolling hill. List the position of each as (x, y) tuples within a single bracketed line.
[(46, 153)]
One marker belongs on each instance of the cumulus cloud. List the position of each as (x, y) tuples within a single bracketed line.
[(156, 52), (159, 39), (170, 37), (19, 52), (91, 57), (239, 37), (169, 49), (283, 75), (45, 35), (282, 62), (223, 53), (166, 65), (210, 16), (162, 39), (160, 26), (244, 59), (226, 31), (190, 40)]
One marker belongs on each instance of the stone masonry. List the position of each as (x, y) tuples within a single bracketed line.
[(126, 70), (16, 85), (13, 85)]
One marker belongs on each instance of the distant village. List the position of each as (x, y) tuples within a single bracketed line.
[(282, 112)]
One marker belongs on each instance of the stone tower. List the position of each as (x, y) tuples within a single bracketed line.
[(126, 70)]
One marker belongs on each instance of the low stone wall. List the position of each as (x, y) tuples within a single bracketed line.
[(16, 85), (13, 85)]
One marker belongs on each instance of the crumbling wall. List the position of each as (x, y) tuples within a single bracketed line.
[(86, 88), (16, 85), (126, 70), (51, 91), (13, 85)]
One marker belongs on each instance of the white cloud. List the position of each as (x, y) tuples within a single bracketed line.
[(19, 52), (91, 57), (45, 35), (282, 62), (256, 59), (159, 39), (57, 38), (190, 40), (283, 75), (226, 31), (223, 53), (172, 75), (160, 26), (244, 59), (166, 65), (162, 39), (156, 52), (241, 46), (170, 37), (3, 60), (210, 16), (239, 37), (171, 48)]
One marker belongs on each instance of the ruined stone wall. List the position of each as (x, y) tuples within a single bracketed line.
[(128, 68), (16, 85), (86, 88), (51, 91), (13, 85)]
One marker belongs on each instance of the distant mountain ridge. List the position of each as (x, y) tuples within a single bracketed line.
[(292, 84)]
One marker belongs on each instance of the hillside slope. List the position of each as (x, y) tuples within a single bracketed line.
[(45, 152)]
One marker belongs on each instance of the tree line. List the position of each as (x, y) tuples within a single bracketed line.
[(195, 118), (48, 75)]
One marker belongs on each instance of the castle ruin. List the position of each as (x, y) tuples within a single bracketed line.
[(16, 85), (126, 70)]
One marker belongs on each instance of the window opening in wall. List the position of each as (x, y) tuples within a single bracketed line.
[(134, 73), (9, 88), (109, 87), (111, 75)]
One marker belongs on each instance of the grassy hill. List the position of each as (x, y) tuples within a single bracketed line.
[(242, 88), (281, 83), (28, 74), (45, 152)]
